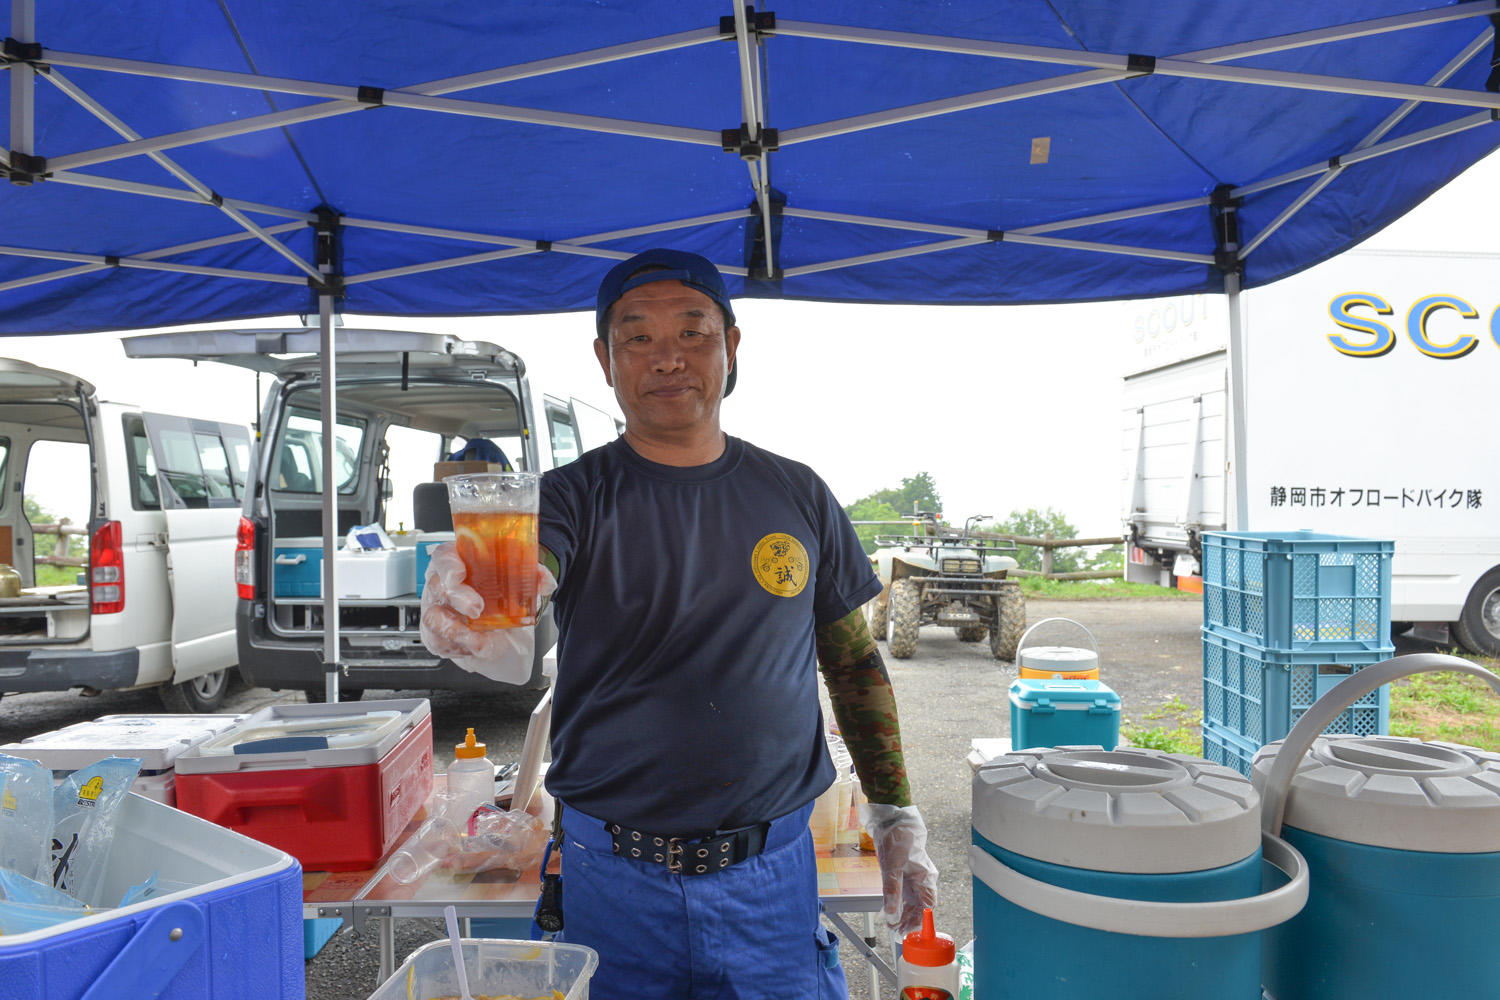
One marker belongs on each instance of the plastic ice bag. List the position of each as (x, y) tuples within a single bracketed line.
[(154, 887), (25, 816), (29, 905), (84, 808)]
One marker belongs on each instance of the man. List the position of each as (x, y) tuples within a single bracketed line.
[(699, 580)]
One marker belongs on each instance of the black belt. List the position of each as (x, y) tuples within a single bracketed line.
[(689, 855)]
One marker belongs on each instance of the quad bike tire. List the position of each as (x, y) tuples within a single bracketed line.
[(906, 617), (971, 633), (877, 613), (1010, 621)]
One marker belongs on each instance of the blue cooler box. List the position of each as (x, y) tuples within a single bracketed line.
[(429, 541), (1062, 713), (229, 926), (297, 567)]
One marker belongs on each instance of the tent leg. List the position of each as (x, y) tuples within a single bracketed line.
[(328, 400), (22, 80), (1238, 518)]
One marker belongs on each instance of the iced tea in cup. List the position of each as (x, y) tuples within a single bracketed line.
[(494, 524)]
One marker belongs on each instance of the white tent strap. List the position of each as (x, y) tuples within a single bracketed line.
[(1480, 42), (72, 272), (78, 96)]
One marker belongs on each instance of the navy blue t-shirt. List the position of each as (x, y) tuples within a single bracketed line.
[(686, 698)]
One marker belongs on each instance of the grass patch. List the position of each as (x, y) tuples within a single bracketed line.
[(1099, 590), (1178, 729), (1456, 708), (57, 576)]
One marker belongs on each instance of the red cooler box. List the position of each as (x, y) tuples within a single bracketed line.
[(332, 785)]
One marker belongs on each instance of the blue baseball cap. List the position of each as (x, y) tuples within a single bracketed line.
[(694, 271)]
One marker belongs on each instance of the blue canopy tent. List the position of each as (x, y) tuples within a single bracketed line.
[(181, 161)]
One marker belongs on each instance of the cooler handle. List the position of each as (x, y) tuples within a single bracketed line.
[(153, 956), (1333, 704), (1145, 918), (286, 560), (1092, 641)]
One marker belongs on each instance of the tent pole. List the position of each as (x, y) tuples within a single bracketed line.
[(328, 403), (1238, 518), (22, 80)]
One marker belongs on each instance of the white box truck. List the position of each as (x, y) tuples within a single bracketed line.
[(1370, 406)]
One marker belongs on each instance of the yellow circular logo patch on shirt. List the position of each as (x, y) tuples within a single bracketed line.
[(780, 564)]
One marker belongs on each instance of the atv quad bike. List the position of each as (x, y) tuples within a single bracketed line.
[(938, 576)]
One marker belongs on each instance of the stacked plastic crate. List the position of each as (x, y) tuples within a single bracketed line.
[(1285, 618)]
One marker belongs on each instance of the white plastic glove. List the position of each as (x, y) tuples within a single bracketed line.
[(908, 878), (448, 604)]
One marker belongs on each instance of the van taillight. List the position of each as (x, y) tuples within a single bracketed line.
[(244, 559), (106, 570)]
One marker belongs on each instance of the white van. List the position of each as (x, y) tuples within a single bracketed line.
[(152, 604), (406, 401)]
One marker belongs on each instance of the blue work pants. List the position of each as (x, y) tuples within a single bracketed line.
[(749, 932)]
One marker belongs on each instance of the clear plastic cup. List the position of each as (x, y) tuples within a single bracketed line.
[(494, 524), (436, 841)]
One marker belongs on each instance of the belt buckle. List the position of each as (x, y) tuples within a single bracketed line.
[(674, 855)]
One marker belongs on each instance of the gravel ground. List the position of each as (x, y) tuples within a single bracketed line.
[(949, 694)]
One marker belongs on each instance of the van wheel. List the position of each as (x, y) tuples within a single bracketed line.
[(317, 695), (199, 696), (1478, 627)]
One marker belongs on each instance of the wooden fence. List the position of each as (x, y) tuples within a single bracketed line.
[(65, 531), (1048, 545)]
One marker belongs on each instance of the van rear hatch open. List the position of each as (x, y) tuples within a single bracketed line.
[(39, 409)]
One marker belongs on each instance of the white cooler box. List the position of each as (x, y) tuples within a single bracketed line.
[(157, 739), (375, 575), (231, 930)]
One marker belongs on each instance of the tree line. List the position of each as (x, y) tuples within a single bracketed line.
[(919, 494)]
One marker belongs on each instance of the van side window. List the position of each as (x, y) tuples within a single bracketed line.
[(563, 434), (238, 443), (180, 466), (299, 459), (143, 494), (215, 462)]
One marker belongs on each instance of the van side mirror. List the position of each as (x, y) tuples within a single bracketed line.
[(386, 489)]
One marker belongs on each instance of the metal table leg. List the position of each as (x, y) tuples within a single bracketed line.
[(864, 946), (386, 936)]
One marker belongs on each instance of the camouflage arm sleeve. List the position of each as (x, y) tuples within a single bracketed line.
[(548, 560), (865, 706)]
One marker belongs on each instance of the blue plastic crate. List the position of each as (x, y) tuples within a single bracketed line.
[(1223, 747), (297, 567), (1259, 694), (317, 932), (1298, 590)]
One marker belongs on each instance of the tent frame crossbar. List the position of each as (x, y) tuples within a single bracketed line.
[(747, 35), (171, 251), (349, 99), (204, 192), (1480, 42)]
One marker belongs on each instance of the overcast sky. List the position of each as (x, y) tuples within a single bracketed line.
[(1007, 407)]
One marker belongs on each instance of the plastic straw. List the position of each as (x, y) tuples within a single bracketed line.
[(451, 915)]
